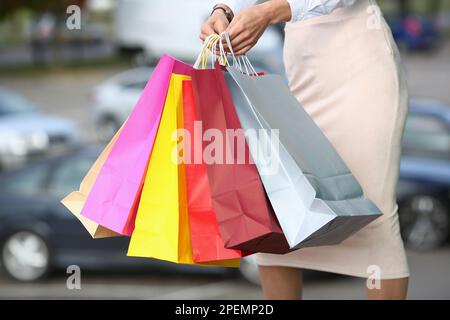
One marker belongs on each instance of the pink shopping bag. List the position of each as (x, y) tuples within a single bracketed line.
[(114, 198)]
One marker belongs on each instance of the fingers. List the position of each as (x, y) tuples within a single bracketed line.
[(245, 42), (241, 40), (244, 50), (239, 43), (206, 30), (216, 24), (239, 36)]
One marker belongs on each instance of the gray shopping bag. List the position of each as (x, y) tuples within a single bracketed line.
[(316, 198)]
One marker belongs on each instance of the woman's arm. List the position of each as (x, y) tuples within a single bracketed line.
[(300, 9), (251, 20), (236, 5), (248, 26), (306, 9)]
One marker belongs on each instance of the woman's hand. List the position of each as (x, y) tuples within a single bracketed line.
[(216, 23), (246, 28), (249, 25)]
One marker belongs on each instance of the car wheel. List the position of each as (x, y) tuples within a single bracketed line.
[(249, 270), (26, 256), (424, 222), (107, 128)]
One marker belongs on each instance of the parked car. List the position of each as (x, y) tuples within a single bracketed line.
[(26, 132), (424, 186), (38, 234), (114, 99), (414, 32)]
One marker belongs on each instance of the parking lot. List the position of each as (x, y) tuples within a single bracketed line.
[(429, 280)]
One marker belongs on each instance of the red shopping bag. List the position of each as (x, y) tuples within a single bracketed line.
[(207, 243), (245, 217)]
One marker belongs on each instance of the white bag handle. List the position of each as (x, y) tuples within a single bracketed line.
[(249, 69)]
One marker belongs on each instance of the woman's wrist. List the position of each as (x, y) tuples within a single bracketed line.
[(276, 11), (224, 9)]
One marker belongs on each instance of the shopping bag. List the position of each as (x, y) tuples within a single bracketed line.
[(207, 243), (114, 197), (162, 227), (245, 217), (76, 199), (315, 196)]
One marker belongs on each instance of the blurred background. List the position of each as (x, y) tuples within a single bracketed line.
[(67, 84)]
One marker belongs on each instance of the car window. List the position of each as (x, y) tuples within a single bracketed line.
[(11, 104), (68, 175), (427, 135), (28, 182)]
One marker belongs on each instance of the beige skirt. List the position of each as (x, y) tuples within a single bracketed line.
[(344, 68)]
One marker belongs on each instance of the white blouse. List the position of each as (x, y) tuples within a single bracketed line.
[(300, 9)]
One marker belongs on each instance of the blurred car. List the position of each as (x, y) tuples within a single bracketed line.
[(26, 133), (424, 186), (114, 99), (414, 32), (149, 29), (38, 234)]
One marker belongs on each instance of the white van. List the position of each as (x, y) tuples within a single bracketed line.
[(149, 28)]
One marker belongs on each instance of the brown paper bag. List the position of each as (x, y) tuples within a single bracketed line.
[(75, 200)]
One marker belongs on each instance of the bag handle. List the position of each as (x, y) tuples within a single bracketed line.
[(238, 61), (207, 45), (241, 62)]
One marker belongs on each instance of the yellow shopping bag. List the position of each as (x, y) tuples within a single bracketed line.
[(162, 227)]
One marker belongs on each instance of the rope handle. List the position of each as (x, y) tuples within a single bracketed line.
[(241, 62)]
